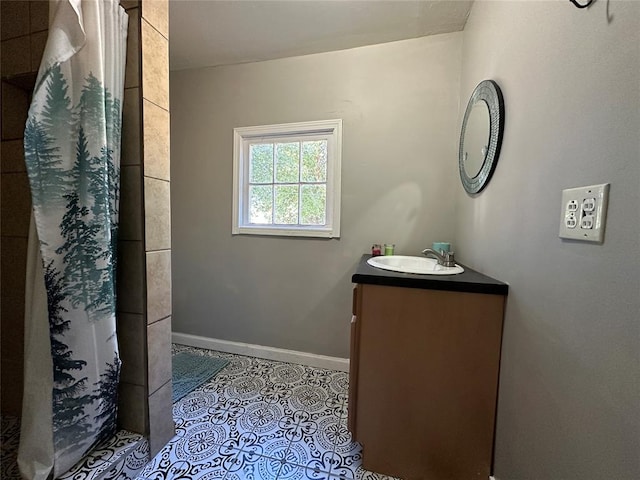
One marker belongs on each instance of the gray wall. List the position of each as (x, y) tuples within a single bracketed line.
[(399, 105), (569, 393)]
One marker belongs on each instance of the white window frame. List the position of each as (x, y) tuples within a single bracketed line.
[(242, 136)]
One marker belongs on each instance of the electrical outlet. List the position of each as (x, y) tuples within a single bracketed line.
[(589, 204), (587, 222), (571, 220), (584, 213)]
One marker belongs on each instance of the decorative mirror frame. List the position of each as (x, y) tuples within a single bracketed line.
[(489, 92)]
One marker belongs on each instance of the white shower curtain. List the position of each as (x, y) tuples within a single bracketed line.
[(72, 154)]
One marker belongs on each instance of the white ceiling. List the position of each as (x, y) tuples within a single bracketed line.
[(207, 33)]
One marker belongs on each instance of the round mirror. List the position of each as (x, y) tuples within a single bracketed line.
[(481, 136), (476, 139)]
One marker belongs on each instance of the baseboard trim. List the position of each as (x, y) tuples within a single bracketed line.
[(260, 351)]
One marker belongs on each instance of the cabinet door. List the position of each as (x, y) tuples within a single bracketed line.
[(427, 381), (353, 366)]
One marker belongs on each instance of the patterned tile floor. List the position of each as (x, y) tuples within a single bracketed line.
[(120, 457), (9, 448), (261, 420)]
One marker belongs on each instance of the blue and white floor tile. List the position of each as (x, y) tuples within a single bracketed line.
[(118, 458), (256, 420), (108, 460), (9, 447), (262, 420)]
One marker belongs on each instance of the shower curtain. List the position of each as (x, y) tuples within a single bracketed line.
[(72, 154)]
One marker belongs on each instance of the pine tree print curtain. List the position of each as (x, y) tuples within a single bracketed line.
[(72, 154)]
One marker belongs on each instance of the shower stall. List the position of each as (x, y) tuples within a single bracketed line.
[(143, 308)]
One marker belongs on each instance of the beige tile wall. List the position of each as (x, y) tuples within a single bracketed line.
[(144, 259), (145, 239), (159, 364), (131, 305), (15, 105), (15, 20), (22, 32), (158, 285), (132, 334), (160, 431), (156, 141), (155, 133), (134, 357), (157, 218)]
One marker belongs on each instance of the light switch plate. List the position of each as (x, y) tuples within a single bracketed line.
[(584, 213)]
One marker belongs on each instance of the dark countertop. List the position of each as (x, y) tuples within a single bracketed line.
[(469, 281)]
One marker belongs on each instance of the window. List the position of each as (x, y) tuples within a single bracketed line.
[(286, 179)]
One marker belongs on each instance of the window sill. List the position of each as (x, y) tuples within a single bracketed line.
[(286, 231)]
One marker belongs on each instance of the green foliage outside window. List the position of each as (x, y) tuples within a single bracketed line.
[(314, 161), (287, 183), (287, 162), (260, 204), (286, 203), (261, 163)]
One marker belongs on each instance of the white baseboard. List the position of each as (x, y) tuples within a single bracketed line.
[(260, 351)]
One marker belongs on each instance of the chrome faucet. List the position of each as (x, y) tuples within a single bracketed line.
[(446, 259)]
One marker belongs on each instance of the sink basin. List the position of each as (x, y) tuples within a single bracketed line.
[(418, 265)]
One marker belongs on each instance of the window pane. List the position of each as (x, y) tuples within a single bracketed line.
[(261, 163), (314, 161), (286, 204), (313, 204), (260, 203), (287, 162)]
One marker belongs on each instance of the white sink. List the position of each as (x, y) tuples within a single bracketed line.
[(419, 265)]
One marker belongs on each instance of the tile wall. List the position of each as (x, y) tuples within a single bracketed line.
[(23, 35), (144, 269), (144, 320)]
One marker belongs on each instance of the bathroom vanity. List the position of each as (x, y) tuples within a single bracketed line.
[(423, 380)]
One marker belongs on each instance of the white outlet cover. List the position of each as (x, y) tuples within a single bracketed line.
[(592, 201)]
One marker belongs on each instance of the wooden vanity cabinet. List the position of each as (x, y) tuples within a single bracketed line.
[(423, 380)]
